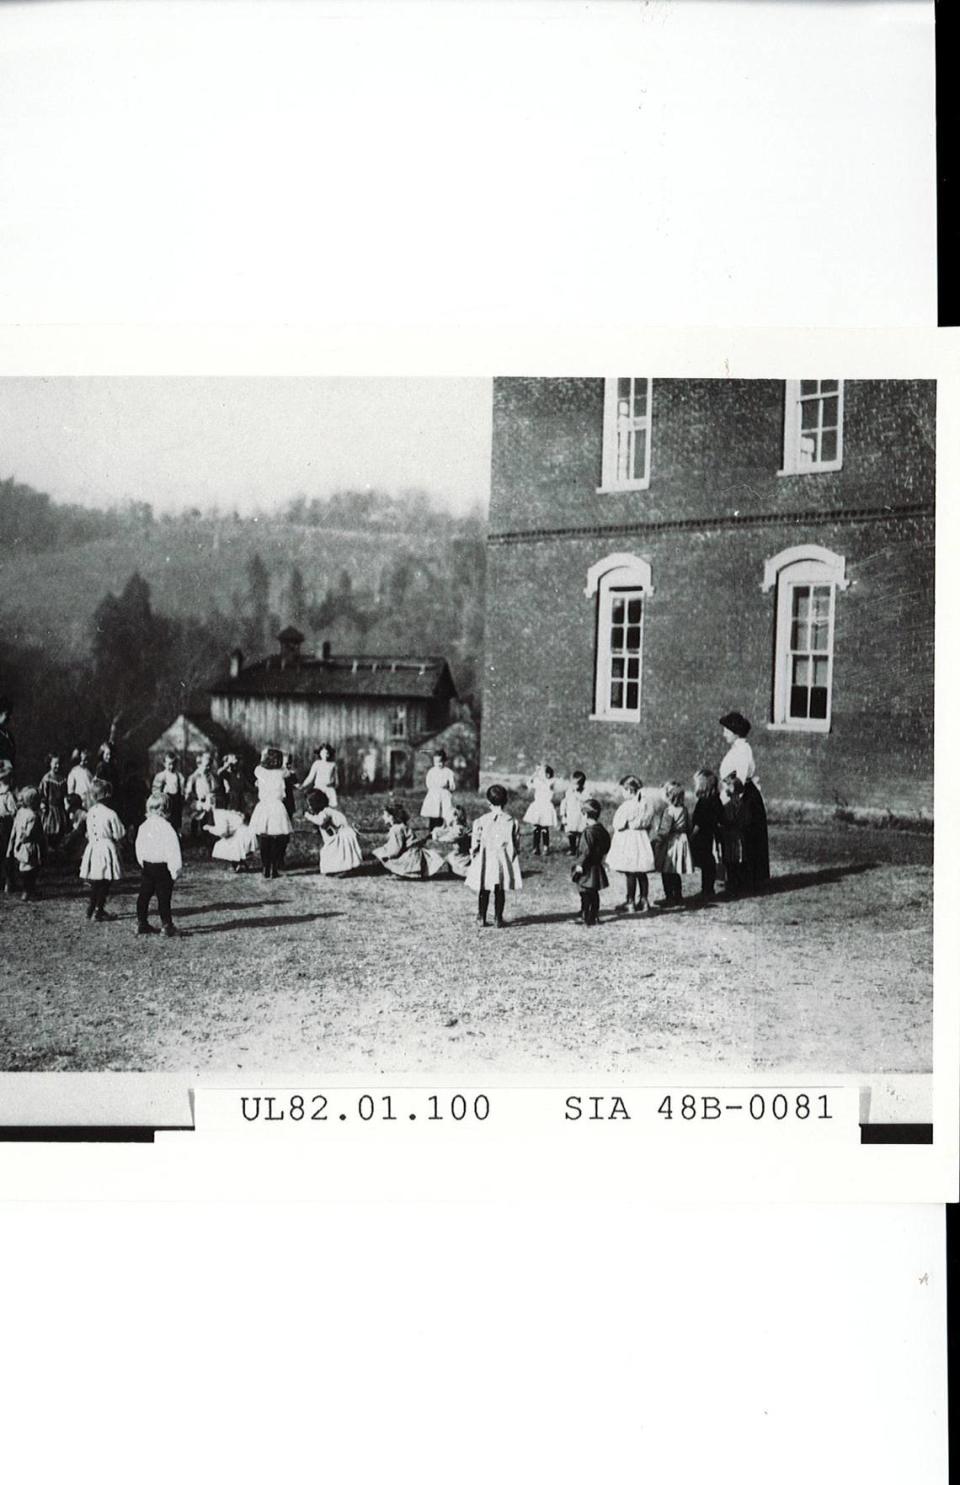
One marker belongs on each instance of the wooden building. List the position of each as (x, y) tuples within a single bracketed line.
[(376, 711), (188, 736)]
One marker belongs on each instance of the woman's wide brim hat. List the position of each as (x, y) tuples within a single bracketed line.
[(736, 722)]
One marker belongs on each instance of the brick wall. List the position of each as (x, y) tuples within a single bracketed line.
[(708, 627)]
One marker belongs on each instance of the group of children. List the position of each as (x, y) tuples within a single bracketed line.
[(650, 831)]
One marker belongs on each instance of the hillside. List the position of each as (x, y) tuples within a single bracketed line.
[(195, 568)]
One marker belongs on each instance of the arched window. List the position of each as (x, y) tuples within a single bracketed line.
[(620, 584), (805, 580)]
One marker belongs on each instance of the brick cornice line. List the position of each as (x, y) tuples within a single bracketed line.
[(878, 513)]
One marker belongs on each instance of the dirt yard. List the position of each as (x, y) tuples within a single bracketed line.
[(831, 970)]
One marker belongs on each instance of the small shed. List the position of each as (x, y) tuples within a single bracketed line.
[(188, 735)]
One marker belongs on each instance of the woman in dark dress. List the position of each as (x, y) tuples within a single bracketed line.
[(739, 760)]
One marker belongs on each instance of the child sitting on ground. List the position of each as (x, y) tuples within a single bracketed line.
[(101, 864), (589, 873), (158, 852), (495, 857), (26, 843), (572, 812), (457, 835), (672, 848), (402, 853)]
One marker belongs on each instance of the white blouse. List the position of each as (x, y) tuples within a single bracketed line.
[(739, 760)]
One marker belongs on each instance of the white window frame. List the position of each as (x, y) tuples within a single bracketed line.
[(610, 482), (398, 718), (792, 402), (800, 566), (621, 574)]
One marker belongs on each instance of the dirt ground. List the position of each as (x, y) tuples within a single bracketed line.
[(830, 970)]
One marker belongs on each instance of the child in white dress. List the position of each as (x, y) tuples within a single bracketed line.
[(402, 853), (441, 782), (323, 775), (80, 777), (234, 841), (571, 812), (340, 845), (540, 812), (270, 822), (457, 835), (630, 851), (26, 843), (672, 844), (101, 863), (495, 857)]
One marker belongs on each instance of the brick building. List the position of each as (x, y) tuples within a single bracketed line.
[(660, 553)]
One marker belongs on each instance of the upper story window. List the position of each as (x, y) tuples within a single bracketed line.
[(398, 721), (626, 433), (806, 580), (622, 584), (812, 427)]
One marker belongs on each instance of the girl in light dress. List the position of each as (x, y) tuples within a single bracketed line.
[(270, 822), (457, 835), (80, 777), (53, 793), (572, 814), (101, 863), (495, 857), (234, 841), (441, 782), (672, 846), (540, 812), (323, 775), (340, 849), (630, 852), (402, 853), (26, 843)]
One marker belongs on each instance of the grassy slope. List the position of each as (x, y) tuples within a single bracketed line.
[(192, 568)]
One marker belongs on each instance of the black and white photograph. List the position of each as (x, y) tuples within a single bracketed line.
[(524, 727)]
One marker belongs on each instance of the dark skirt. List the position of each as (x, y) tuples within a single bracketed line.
[(753, 829)]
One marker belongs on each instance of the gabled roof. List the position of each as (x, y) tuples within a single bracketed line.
[(392, 676)]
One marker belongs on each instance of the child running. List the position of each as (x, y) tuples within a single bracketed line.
[(630, 850), (402, 853), (589, 873), (540, 813), (495, 863), (572, 812), (158, 852), (340, 850), (706, 829), (672, 849), (26, 843), (101, 864), (53, 793)]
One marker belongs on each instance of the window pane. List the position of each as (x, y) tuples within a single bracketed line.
[(616, 637), (807, 450), (799, 636), (616, 695), (616, 666), (640, 397), (830, 409), (818, 703), (828, 448), (633, 611), (798, 701), (616, 611), (633, 637), (821, 601), (633, 668), (633, 696), (821, 668), (810, 413), (809, 389), (639, 454), (623, 387), (801, 670), (819, 636), (829, 386), (801, 603)]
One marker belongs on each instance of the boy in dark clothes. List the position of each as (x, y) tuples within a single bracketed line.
[(589, 873), (706, 829)]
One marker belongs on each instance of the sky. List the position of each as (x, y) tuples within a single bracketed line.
[(245, 442)]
